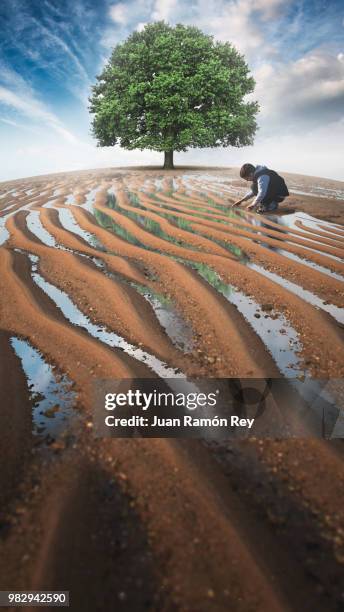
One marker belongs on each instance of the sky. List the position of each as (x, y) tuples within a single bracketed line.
[(52, 50)]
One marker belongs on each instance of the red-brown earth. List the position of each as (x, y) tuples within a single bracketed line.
[(167, 524)]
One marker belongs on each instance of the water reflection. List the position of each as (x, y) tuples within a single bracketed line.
[(51, 393)]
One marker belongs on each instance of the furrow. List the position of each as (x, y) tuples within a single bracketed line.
[(107, 301)]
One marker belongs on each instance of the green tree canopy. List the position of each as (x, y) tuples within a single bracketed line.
[(169, 88)]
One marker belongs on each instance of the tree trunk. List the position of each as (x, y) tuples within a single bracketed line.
[(168, 163)]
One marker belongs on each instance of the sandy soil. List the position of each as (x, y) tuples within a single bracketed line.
[(163, 524)]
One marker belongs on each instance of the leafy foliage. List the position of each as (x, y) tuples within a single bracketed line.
[(169, 88)]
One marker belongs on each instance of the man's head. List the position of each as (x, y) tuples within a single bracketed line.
[(247, 172)]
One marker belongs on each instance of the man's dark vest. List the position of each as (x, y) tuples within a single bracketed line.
[(277, 189)]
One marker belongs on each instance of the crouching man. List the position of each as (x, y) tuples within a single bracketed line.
[(268, 187)]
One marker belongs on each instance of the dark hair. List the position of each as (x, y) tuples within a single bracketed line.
[(246, 170)]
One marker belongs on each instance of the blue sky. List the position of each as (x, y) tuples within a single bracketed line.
[(51, 51)]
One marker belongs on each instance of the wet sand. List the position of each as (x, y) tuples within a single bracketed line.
[(143, 273)]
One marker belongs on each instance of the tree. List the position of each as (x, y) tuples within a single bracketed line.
[(169, 88)]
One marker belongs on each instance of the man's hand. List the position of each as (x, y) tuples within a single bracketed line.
[(250, 206), (237, 203)]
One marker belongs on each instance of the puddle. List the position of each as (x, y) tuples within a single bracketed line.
[(311, 222), (308, 227), (69, 223), (4, 233), (280, 338), (49, 204), (287, 238), (51, 393), (77, 318), (70, 199), (336, 312), (175, 326), (314, 250), (90, 198), (320, 192), (307, 262), (35, 226), (46, 238), (159, 183), (88, 204), (177, 329), (175, 183), (289, 222), (299, 259)]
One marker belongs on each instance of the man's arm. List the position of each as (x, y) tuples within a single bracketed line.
[(247, 196), (263, 184)]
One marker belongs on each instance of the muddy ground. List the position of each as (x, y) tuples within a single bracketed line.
[(143, 273)]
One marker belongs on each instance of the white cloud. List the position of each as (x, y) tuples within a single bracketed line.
[(126, 17), (119, 13), (54, 40), (13, 79), (309, 90), (140, 26), (240, 22), (235, 21), (270, 9), (10, 122), (21, 98), (164, 10)]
